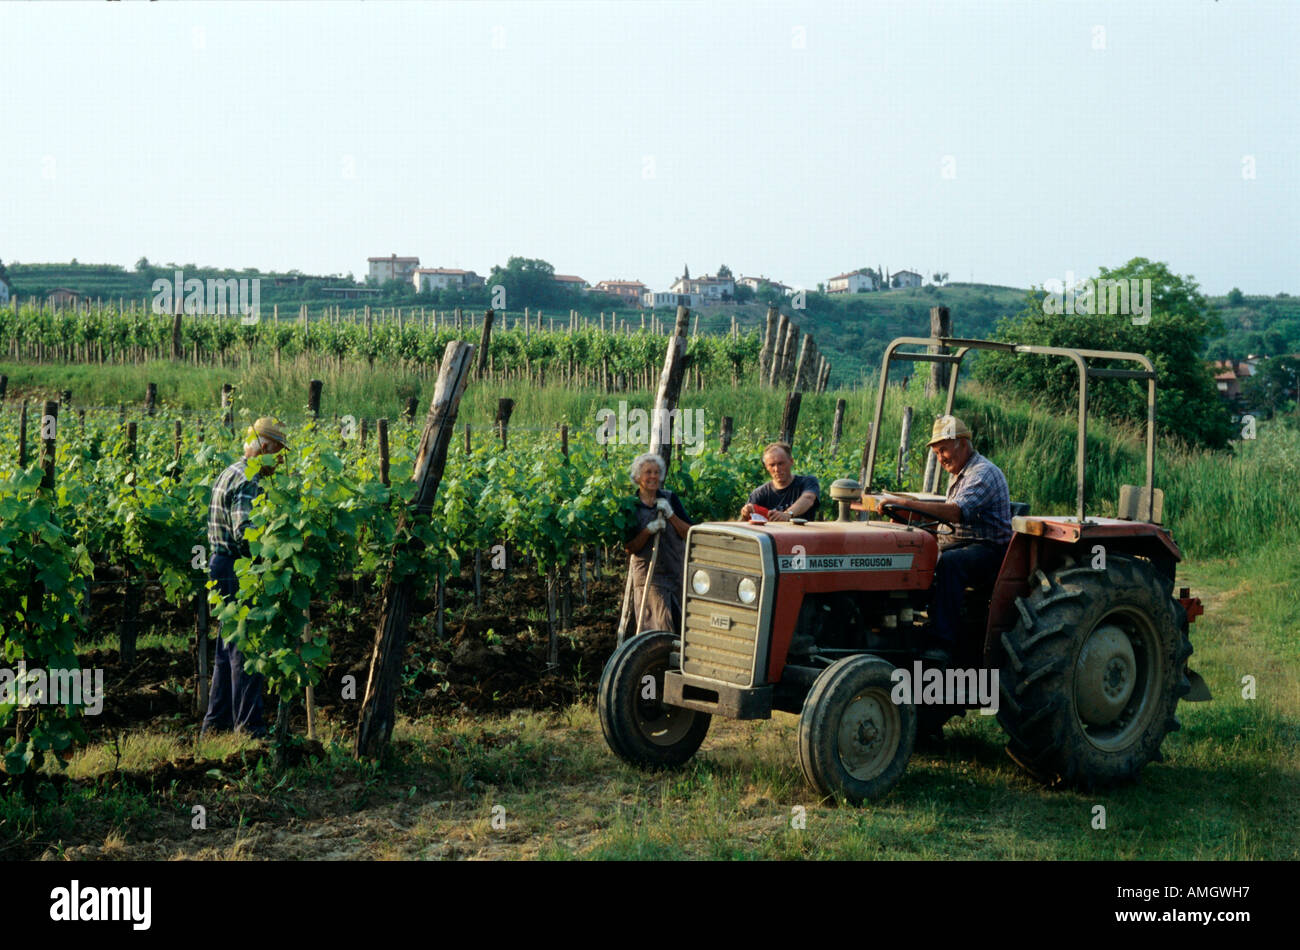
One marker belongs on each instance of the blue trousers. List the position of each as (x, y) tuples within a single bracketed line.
[(235, 699), (971, 565)]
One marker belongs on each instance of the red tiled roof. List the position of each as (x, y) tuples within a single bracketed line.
[(441, 270), (394, 257), (569, 278)]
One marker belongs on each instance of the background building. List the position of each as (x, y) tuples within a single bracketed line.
[(629, 290), (384, 269), (443, 278), (854, 282)]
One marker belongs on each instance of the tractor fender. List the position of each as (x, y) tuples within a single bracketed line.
[(1029, 553)]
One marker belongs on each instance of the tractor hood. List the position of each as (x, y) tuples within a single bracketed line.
[(852, 555)]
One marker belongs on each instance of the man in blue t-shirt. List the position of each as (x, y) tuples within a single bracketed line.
[(787, 495)]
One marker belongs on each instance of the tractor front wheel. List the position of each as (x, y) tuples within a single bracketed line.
[(854, 740), (639, 728), (1092, 674)]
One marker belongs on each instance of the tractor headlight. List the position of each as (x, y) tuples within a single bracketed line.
[(700, 582), (747, 591)]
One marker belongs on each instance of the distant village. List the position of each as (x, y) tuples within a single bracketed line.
[(1230, 376), (686, 290)]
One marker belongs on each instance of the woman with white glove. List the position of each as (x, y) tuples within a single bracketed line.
[(656, 512)]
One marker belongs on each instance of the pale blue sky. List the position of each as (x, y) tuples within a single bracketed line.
[(623, 139)]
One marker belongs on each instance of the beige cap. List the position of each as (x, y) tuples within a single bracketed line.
[(948, 427), (267, 428)]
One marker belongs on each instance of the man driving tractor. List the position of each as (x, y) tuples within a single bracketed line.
[(978, 507)]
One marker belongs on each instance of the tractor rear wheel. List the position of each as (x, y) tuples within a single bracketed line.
[(854, 740), (639, 728), (1092, 673)]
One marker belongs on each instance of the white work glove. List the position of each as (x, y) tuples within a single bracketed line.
[(656, 526), (665, 508)]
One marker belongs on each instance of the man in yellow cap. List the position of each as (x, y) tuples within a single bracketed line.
[(235, 699), (978, 506)]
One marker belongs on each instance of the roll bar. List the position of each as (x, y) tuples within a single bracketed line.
[(938, 352)]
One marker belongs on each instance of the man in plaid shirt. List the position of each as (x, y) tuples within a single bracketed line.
[(235, 699), (979, 508)]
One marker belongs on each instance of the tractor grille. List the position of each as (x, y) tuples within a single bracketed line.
[(721, 635)]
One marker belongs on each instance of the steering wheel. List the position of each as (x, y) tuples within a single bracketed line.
[(932, 521)]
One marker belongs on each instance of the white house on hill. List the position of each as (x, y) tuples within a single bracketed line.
[(669, 298), (854, 282), (906, 278), (441, 278), (758, 283), (708, 287)]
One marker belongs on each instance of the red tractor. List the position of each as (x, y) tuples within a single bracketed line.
[(1082, 627)]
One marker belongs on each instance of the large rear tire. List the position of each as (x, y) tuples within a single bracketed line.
[(854, 740), (639, 728), (1093, 672)]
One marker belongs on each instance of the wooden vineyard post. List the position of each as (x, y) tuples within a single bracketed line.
[(150, 398), (227, 416), (365, 433), (929, 481), (940, 327), (411, 405), (724, 434), (4, 386), (801, 366), (311, 690), (383, 450), (201, 646), (383, 683), (469, 441), (484, 344), (504, 409), (177, 428), (313, 397), (788, 355), (49, 431), (177, 351), (22, 436), (837, 426), (778, 345), (790, 417), (566, 581), (670, 386), (904, 443), (769, 339)]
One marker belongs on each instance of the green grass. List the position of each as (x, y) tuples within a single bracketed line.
[(1229, 788)]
